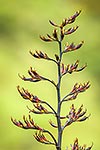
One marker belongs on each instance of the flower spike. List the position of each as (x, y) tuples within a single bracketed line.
[(42, 107)]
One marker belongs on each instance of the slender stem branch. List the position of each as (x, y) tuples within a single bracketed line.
[(66, 96), (46, 131), (50, 107), (52, 60), (63, 99), (51, 81)]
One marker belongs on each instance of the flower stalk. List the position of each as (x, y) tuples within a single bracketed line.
[(42, 106)]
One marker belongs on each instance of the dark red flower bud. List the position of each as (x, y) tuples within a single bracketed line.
[(70, 30)]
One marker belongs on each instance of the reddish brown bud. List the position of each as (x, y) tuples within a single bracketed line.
[(70, 30)]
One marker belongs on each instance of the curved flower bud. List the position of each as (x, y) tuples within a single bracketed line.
[(53, 24)]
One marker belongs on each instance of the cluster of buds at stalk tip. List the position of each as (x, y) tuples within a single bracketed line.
[(27, 95), (28, 124), (35, 77), (40, 55), (70, 30), (71, 68), (66, 21), (78, 88), (64, 31), (73, 116), (72, 47), (40, 108), (42, 139), (76, 116), (34, 99), (76, 146)]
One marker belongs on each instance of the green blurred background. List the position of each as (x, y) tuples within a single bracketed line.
[(21, 23)]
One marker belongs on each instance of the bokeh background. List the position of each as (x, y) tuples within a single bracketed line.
[(21, 23)]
